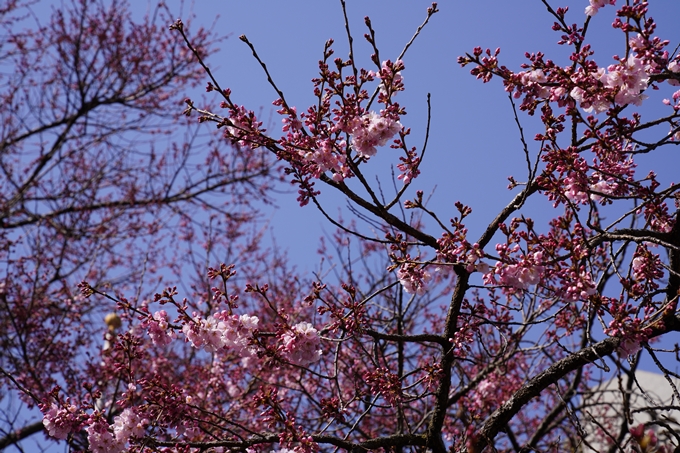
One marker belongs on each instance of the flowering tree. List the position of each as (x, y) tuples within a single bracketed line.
[(93, 184), (430, 339)]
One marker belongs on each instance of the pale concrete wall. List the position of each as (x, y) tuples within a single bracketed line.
[(652, 393)]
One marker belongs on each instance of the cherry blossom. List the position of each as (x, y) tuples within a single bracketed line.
[(126, 425), (371, 131), (100, 437), (674, 67), (595, 5), (414, 279), (222, 331), (628, 79), (60, 422), (300, 345), (158, 327)]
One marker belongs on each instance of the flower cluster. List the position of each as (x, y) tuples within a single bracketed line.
[(59, 423), (534, 81), (646, 265), (386, 384), (315, 141), (658, 217), (595, 5), (328, 155), (521, 275), (128, 424), (575, 187), (647, 270), (372, 130), (414, 278), (223, 331), (409, 166), (625, 324), (577, 285), (112, 439), (484, 391), (674, 67), (100, 438), (628, 80), (474, 262), (492, 390), (158, 328), (603, 187), (300, 345)]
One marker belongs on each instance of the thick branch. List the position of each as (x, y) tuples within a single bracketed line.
[(673, 288), (20, 434), (407, 338), (434, 437), (371, 444), (502, 416)]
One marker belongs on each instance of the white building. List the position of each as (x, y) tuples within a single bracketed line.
[(651, 399)]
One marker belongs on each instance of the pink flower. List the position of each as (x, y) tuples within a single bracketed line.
[(328, 156), (371, 131), (485, 389), (595, 5), (574, 191), (638, 43), (517, 276), (301, 344), (629, 78), (473, 263), (101, 439), (522, 275), (597, 103), (414, 279), (674, 67), (580, 286), (59, 423), (223, 331), (242, 127), (638, 267), (626, 81), (392, 81), (536, 81), (128, 424), (602, 187), (629, 346), (158, 329)]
